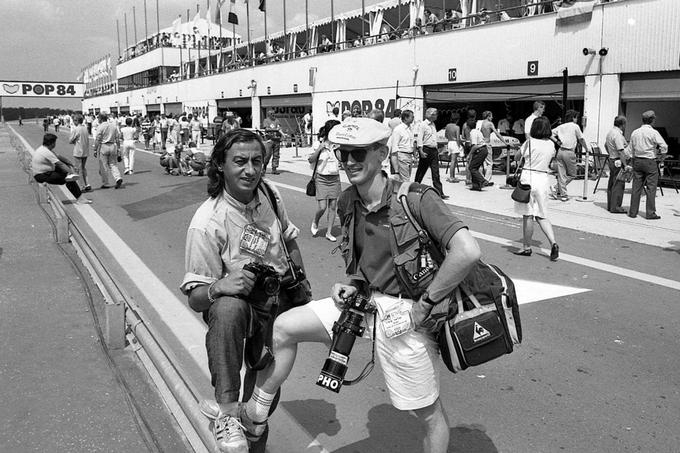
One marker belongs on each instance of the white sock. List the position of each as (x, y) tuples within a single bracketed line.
[(258, 406)]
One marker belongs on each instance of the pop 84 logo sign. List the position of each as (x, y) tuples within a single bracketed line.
[(41, 89)]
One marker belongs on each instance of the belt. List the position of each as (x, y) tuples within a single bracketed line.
[(430, 146)]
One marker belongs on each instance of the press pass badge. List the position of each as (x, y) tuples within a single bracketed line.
[(254, 240), (395, 320)]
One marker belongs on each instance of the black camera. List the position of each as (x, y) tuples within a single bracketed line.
[(267, 282), (345, 330)]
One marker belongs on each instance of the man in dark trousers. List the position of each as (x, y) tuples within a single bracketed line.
[(272, 131), (52, 168), (426, 139), (617, 148)]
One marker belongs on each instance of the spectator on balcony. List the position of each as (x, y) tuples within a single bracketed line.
[(326, 44), (357, 42), (431, 22)]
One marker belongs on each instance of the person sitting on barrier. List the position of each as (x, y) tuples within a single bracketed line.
[(407, 353), (239, 249), (51, 168)]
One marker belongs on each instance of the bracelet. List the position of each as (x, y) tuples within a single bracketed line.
[(211, 299)]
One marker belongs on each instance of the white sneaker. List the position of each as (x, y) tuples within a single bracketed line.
[(83, 201), (228, 430), (314, 229), (330, 237), (72, 177)]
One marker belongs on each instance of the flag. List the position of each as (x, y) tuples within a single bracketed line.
[(232, 18), (195, 23), (176, 25), (262, 5)]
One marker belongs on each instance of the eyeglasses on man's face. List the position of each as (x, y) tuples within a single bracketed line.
[(358, 154)]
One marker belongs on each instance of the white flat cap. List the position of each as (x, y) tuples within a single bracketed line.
[(359, 132)]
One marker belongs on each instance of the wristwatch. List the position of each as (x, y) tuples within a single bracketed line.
[(426, 298)]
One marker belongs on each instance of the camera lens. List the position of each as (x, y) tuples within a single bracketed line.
[(271, 286)]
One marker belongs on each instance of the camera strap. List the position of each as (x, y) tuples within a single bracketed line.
[(369, 366), (269, 193)]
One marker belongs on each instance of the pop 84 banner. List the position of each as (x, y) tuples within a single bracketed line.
[(15, 88)]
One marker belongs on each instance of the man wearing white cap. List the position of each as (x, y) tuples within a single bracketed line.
[(375, 237)]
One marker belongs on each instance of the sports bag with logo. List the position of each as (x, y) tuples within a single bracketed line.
[(483, 321)]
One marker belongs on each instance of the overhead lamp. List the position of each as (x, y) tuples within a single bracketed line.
[(588, 51), (604, 51)]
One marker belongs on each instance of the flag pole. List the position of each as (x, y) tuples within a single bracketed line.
[(250, 51), (126, 34), (266, 37), (285, 38), (118, 37), (134, 22), (160, 43), (146, 28), (307, 26)]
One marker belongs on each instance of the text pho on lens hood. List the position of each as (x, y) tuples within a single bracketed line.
[(345, 330)]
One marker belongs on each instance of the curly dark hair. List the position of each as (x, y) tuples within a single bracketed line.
[(216, 181)]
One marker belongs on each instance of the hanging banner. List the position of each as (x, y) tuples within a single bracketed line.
[(13, 88)]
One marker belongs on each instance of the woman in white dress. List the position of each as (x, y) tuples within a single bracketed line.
[(537, 153)]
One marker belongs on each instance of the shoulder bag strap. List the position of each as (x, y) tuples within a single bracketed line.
[(316, 164)]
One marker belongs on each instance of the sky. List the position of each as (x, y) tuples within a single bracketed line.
[(52, 40)]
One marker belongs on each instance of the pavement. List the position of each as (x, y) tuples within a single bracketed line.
[(582, 213), (62, 388)]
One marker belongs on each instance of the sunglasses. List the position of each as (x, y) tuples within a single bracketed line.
[(358, 154)]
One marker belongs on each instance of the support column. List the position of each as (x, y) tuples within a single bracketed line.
[(255, 111), (601, 103)]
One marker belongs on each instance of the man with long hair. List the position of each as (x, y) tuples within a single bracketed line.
[(244, 221)]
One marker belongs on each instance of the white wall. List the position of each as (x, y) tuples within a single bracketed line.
[(641, 36)]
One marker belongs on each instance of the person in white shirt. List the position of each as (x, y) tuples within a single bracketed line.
[(51, 168), (401, 147), (539, 108), (569, 135), (647, 146), (129, 136), (478, 153), (195, 126), (428, 152)]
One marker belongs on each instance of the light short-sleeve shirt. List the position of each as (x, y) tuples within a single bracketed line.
[(427, 134), (213, 248), (615, 143), (527, 124), (476, 137), (569, 134), (402, 139), (43, 160)]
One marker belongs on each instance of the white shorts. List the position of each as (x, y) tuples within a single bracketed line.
[(410, 362)]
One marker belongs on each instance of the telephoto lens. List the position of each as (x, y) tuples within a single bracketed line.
[(345, 330)]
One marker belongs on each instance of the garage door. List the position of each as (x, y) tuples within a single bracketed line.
[(651, 86), (235, 103), (286, 101), (518, 90), (173, 107)]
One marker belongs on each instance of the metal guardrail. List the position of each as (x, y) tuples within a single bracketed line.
[(120, 315)]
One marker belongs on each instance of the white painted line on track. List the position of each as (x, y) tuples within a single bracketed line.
[(173, 312), (622, 271)]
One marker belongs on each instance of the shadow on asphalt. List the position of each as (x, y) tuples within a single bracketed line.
[(178, 197), (390, 430)]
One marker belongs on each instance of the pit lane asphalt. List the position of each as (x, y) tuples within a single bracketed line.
[(596, 371)]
